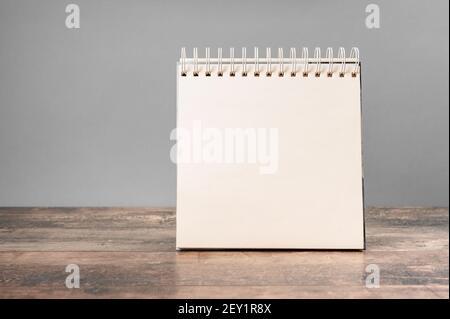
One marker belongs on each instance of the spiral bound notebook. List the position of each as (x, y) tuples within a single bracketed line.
[(268, 151)]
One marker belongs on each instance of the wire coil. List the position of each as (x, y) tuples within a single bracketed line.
[(244, 66)]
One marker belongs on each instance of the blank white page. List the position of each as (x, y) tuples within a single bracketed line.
[(314, 200)]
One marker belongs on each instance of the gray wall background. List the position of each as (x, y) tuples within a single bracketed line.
[(85, 114)]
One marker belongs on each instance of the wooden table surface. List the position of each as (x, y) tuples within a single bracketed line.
[(130, 253)]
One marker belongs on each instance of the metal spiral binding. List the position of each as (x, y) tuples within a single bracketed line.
[(354, 54), (195, 54), (219, 62), (220, 66), (256, 55), (281, 59), (305, 61), (183, 62), (208, 62), (341, 56), (329, 57), (269, 62), (318, 62), (232, 72), (244, 61), (293, 57)]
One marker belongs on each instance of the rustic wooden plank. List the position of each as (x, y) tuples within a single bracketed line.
[(103, 272), (87, 229), (250, 292), (150, 229), (129, 253)]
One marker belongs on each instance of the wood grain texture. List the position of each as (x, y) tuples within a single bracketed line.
[(130, 253)]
